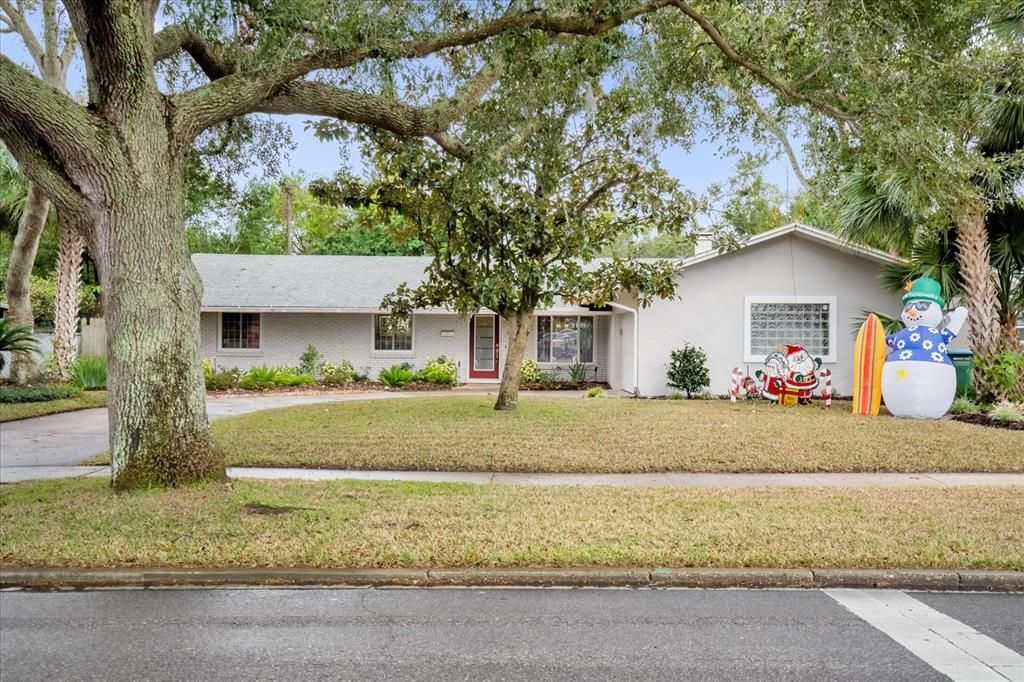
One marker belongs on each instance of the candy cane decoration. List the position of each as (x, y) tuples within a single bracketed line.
[(826, 391), (734, 385)]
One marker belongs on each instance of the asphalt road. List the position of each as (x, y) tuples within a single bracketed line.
[(440, 634)]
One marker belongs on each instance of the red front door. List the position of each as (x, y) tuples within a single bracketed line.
[(483, 347)]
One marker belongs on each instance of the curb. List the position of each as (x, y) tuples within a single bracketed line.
[(81, 578)]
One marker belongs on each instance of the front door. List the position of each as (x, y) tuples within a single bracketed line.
[(483, 347)]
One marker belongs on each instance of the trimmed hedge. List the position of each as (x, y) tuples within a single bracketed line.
[(38, 394)]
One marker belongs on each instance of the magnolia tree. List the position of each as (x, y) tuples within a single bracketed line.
[(113, 166), (556, 173)]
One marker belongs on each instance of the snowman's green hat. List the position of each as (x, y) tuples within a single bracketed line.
[(925, 289)]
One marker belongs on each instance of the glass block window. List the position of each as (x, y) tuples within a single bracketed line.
[(392, 333), (809, 322), (240, 330), (565, 338)]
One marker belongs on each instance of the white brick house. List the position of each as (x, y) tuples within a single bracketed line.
[(794, 283)]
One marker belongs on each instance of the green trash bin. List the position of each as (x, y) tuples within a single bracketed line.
[(963, 361)]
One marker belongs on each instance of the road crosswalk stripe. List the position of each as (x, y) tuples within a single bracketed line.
[(953, 648)]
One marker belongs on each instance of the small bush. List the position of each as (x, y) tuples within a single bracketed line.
[(595, 392), (441, 370), (290, 376), (706, 394), (675, 395), (577, 372), (396, 375), (530, 373), (38, 394), (1006, 371), (339, 373), (259, 378), (311, 362), (688, 370), (89, 371), (963, 405), (1007, 412)]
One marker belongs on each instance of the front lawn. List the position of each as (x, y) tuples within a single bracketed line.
[(89, 399), (463, 433), (80, 522)]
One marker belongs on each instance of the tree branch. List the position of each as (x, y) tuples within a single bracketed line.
[(170, 39), (756, 70), (240, 93), (777, 131), (15, 18), (41, 116)]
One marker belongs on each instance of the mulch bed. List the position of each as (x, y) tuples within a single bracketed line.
[(565, 386), (983, 419), (315, 389)]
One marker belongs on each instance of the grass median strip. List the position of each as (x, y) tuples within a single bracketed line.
[(359, 524), (464, 433), (13, 411)]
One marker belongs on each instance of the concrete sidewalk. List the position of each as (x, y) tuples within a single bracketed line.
[(660, 480)]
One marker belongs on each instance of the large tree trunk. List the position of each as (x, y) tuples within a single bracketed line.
[(159, 433), (69, 268), (979, 295), (25, 366), (519, 332)]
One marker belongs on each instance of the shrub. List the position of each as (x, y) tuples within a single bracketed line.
[(311, 362), (396, 375), (16, 338), (441, 370), (290, 376), (259, 378), (675, 395), (38, 394), (688, 370), (1006, 371), (220, 381), (706, 394), (963, 405), (89, 371), (338, 373), (530, 374), (1007, 412), (595, 392), (577, 372)]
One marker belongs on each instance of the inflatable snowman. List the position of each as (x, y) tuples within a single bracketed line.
[(918, 378)]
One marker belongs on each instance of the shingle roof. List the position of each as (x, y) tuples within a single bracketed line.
[(326, 283)]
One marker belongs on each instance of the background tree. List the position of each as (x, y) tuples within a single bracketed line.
[(51, 55), (559, 171)]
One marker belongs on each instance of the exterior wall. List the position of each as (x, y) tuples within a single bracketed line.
[(346, 336), (710, 309)]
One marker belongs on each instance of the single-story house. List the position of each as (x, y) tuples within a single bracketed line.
[(793, 284)]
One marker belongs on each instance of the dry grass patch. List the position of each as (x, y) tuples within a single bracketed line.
[(361, 524), (463, 433), (13, 411)]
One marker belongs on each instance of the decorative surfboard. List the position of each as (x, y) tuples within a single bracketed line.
[(869, 353)]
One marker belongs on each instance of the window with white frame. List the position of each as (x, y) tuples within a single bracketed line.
[(240, 330), (391, 332), (772, 321), (565, 338), (1020, 329)]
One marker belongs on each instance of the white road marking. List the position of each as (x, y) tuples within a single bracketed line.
[(954, 649)]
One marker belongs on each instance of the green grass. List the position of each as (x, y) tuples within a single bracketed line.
[(80, 522), (12, 411), (615, 435)]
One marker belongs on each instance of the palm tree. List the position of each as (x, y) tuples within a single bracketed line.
[(16, 338)]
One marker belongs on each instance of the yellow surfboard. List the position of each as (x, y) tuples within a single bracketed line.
[(869, 353)]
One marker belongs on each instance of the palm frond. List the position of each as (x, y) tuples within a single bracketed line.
[(890, 324), (878, 212)]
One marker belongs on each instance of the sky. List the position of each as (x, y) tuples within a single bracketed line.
[(696, 167)]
